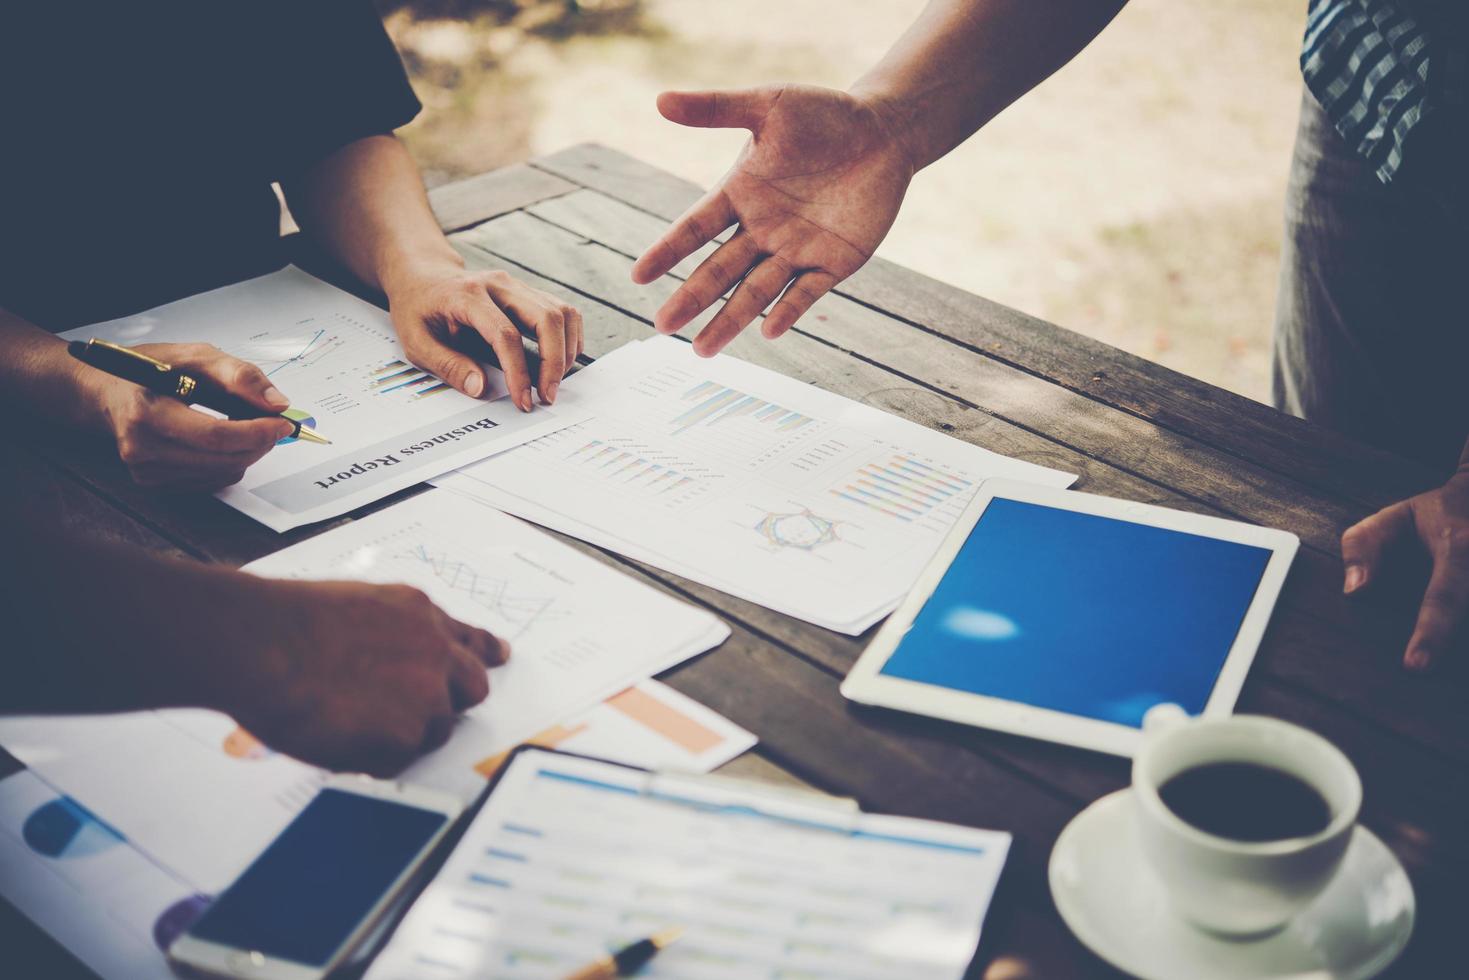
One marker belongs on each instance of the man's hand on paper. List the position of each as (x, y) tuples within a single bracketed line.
[(353, 676), (435, 313), (165, 443), (814, 191)]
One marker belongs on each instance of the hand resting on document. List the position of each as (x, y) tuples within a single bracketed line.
[(357, 677), (346, 675)]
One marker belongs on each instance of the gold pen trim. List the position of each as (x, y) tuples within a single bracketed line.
[(135, 355), (309, 435)]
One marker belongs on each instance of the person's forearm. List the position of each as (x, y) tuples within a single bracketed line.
[(963, 61), (38, 377), (366, 205), (105, 628)]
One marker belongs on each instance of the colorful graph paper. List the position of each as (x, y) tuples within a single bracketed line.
[(716, 404)]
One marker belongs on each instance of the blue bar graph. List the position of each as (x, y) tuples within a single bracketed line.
[(715, 404)]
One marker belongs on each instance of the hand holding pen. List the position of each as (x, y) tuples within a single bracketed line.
[(162, 441)]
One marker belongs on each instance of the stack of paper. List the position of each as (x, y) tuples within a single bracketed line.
[(204, 799), (338, 359), (117, 909), (758, 485)]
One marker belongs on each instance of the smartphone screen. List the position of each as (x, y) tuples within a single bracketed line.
[(304, 896)]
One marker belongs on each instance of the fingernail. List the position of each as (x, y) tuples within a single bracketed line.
[(1356, 575), (551, 391), (525, 401), (275, 398), (474, 385), (1418, 659)]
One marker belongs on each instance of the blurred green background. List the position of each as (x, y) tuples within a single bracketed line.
[(1135, 196)]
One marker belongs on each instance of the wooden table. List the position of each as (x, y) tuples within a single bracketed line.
[(572, 223)]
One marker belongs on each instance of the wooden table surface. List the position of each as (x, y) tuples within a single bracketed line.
[(572, 223)]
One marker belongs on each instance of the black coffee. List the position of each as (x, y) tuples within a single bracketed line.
[(1246, 802)]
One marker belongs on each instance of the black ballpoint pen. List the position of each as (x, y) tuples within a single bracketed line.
[(630, 959), (165, 379)]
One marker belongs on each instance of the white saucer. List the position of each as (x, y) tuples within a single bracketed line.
[(1116, 906)]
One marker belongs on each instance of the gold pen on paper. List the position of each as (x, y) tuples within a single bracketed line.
[(165, 379), (631, 958)]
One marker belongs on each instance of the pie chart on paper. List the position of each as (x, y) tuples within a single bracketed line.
[(296, 415), (63, 828)]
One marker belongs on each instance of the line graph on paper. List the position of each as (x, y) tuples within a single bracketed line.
[(514, 609), (305, 345)]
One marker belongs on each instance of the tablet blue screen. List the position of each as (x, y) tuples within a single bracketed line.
[(1087, 615)]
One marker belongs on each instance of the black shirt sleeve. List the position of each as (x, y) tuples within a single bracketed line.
[(330, 75)]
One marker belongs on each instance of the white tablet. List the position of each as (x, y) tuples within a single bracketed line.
[(1066, 616)]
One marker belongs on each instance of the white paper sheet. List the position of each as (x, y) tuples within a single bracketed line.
[(570, 860), (751, 482), (339, 361), (203, 798), (116, 909), (649, 725), (83, 883), (579, 629)]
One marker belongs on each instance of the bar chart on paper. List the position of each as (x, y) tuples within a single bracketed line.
[(631, 465), (903, 486), (740, 430), (714, 404), (622, 460), (401, 376)]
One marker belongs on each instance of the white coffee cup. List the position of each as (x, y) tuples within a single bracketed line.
[(1230, 887)]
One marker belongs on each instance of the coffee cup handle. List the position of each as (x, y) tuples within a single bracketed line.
[(1163, 717)]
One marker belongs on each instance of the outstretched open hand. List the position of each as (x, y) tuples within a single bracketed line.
[(814, 191)]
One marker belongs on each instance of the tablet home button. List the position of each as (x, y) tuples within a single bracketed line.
[(246, 964)]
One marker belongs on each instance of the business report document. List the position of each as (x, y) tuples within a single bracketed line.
[(741, 478), (338, 359), (572, 858), (204, 799)]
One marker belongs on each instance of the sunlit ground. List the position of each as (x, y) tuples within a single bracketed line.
[(1135, 196)]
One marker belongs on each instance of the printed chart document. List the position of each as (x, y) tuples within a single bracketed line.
[(82, 882), (579, 630), (759, 485), (571, 859), (203, 798), (117, 910), (339, 361)]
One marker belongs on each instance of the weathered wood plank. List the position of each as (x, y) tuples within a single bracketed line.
[(1122, 439), (1339, 658), (1229, 422), (479, 198)]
